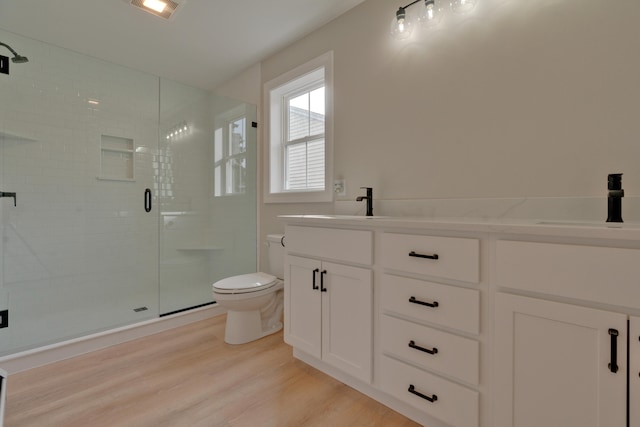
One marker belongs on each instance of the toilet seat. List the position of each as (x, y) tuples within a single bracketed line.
[(245, 283)]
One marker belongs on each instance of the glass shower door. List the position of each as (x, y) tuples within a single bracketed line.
[(134, 195), (4, 298), (207, 193), (78, 140)]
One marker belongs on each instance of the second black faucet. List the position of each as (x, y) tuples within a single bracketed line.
[(614, 197)]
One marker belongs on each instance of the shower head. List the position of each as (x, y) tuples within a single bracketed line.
[(17, 58)]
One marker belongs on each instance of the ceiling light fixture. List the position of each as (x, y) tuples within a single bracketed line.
[(162, 8), (429, 16), (156, 5)]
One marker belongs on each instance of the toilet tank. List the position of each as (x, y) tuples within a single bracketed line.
[(275, 254)]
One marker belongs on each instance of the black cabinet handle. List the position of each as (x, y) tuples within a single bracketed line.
[(613, 366), (147, 200), (431, 398), (428, 304), (417, 255), (314, 279), (322, 288), (412, 344)]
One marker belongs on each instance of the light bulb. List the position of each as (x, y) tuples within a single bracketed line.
[(156, 5), (401, 25), (462, 6), (430, 15)]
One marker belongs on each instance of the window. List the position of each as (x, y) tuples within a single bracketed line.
[(298, 134), (230, 154)]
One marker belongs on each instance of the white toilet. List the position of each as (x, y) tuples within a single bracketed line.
[(254, 302)]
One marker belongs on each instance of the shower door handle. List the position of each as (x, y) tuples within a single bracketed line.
[(147, 200), (15, 198)]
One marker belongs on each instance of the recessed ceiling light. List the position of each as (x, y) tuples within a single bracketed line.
[(156, 5), (162, 8)]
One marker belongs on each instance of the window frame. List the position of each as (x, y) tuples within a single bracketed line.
[(276, 91)]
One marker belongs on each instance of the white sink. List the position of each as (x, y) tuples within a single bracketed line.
[(589, 224), (345, 216)]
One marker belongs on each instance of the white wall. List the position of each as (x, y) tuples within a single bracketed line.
[(519, 99), (245, 87)]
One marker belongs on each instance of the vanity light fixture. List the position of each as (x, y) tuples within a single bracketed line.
[(401, 25), (429, 15), (462, 6)]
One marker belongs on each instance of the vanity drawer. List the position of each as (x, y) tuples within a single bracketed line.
[(355, 246), (593, 273), (456, 308), (454, 404), (435, 350), (447, 257)]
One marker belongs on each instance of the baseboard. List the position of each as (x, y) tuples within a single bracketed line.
[(29, 359)]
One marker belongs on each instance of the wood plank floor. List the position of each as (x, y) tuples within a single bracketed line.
[(189, 377)]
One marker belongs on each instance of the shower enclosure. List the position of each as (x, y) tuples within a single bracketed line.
[(133, 195)]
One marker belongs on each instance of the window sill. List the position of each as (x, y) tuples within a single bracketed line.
[(299, 197)]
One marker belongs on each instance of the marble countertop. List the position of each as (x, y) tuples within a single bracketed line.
[(561, 228)]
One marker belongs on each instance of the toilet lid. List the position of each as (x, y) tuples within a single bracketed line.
[(244, 283)]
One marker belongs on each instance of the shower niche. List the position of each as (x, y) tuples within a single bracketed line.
[(116, 158)]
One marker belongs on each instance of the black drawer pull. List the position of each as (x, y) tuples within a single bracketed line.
[(412, 344), (417, 255), (428, 304), (431, 398), (314, 286), (613, 366)]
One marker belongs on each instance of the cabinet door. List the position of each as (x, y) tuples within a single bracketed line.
[(634, 372), (552, 365), (302, 315), (347, 319)]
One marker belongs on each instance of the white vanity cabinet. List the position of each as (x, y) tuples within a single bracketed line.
[(553, 364), (471, 324), (634, 371), (329, 305), (427, 358), (560, 364)]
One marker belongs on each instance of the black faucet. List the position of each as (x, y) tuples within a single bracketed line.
[(368, 198), (614, 197)]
